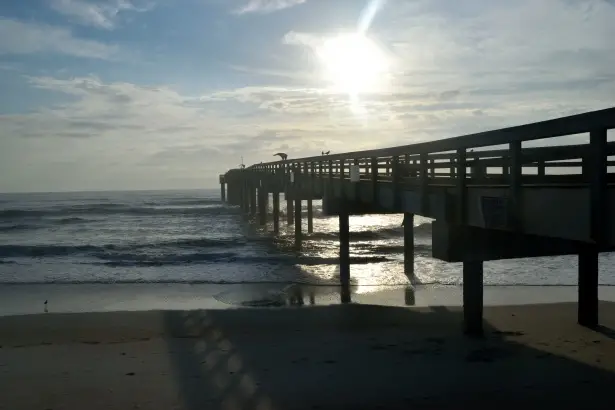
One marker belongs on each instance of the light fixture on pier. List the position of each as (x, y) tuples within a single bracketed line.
[(355, 173)]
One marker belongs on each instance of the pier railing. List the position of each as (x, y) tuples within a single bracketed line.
[(442, 162)]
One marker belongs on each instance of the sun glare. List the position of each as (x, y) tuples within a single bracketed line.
[(353, 63)]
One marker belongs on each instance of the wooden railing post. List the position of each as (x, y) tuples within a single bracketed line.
[(374, 170), (321, 177), (599, 200), (396, 183), (541, 168), (516, 170), (310, 192), (461, 187), (356, 186), (424, 184), (342, 187)]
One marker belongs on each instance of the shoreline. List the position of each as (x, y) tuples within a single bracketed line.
[(80, 298)]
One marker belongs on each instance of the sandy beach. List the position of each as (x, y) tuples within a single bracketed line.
[(320, 357)]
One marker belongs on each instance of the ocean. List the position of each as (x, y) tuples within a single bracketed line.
[(191, 237)]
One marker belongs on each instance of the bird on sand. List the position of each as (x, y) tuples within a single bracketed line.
[(281, 155)]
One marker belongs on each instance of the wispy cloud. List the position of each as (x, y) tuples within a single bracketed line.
[(101, 14), (267, 6), (18, 37), (273, 72)]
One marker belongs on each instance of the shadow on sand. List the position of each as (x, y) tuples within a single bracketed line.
[(362, 356)]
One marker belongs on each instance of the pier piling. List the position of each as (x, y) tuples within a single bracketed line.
[(344, 227), (298, 238), (310, 216), (222, 188), (252, 201), (290, 213), (588, 287), (262, 206), (276, 212), (245, 199), (409, 245), (473, 297)]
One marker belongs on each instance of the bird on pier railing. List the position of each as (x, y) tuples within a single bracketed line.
[(325, 152), (281, 155)]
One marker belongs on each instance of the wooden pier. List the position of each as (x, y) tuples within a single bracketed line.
[(490, 197)]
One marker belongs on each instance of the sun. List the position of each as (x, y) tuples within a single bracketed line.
[(353, 63)]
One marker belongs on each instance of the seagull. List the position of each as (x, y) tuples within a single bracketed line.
[(325, 153), (281, 155)]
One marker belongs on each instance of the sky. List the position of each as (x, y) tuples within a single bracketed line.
[(168, 94)]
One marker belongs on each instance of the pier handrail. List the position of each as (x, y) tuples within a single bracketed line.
[(570, 125)]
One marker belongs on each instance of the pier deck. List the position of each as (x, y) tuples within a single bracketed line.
[(490, 197)]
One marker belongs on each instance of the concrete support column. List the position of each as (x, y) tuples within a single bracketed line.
[(344, 226), (409, 296), (230, 194), (310, 216), (588, 287), (276, 212), (473, 297), (298, 234), (290, 213), (252, 191), (245, 198), (409, 245), (262, 206)]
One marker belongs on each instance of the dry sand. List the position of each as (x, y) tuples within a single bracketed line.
[(334, 357)]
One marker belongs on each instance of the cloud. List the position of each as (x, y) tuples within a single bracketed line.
[(311, 40), (267, 6), (114, 134), (101, 14), (17, 37), (457, 68), (274, 72)]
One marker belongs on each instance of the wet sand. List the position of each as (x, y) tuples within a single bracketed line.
[(321, 357), (77, 298)]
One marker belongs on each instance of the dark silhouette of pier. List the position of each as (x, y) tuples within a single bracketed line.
[(491, 198)]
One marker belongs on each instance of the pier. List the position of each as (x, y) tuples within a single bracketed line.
[(490, 197)]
